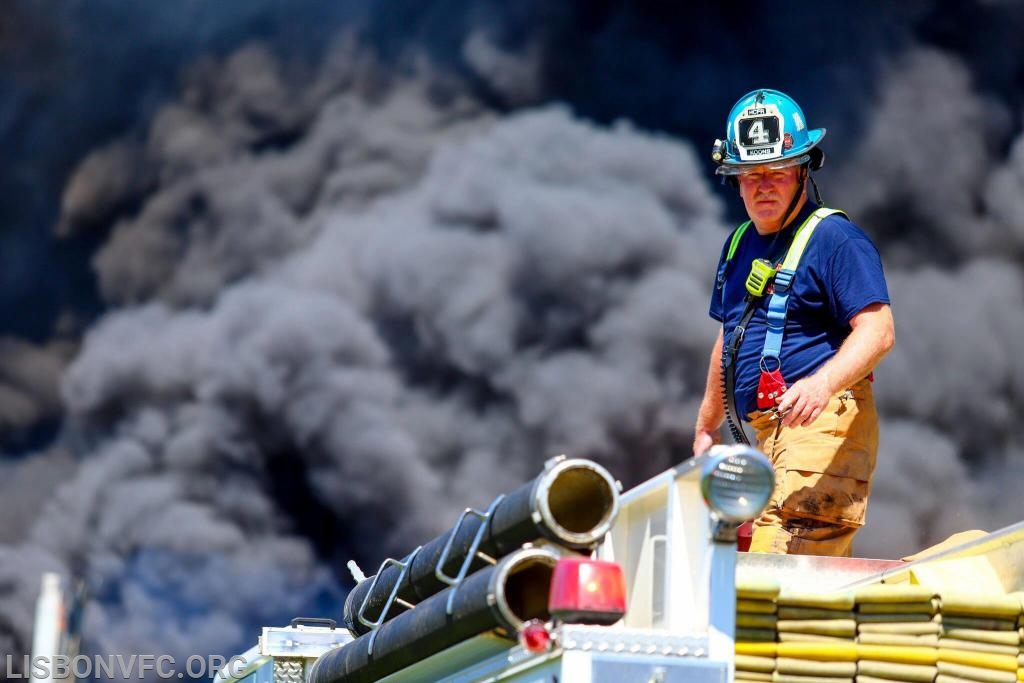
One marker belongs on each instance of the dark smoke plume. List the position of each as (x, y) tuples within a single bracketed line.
[(460, 299)]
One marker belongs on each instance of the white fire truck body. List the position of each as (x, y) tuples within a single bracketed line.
[(680, 564)]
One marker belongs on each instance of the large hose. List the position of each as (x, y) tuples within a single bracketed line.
[(573, 503), (501, 596), (729, 352), (729, 400)]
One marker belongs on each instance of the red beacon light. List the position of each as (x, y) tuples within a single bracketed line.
[(586, 591), (535, 637)]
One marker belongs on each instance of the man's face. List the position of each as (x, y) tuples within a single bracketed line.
[(767, 192)]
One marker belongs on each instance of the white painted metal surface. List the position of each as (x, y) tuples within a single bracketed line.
[(678, 577), (810, 573)]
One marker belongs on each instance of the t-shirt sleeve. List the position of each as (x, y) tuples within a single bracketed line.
[(715, 310), (856, 277)]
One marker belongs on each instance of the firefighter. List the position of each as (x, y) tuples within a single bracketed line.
[(805, 317)]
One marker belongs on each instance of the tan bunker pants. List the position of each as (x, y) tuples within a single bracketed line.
[(822, 476)]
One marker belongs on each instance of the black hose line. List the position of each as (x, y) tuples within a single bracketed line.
[(572, 503)]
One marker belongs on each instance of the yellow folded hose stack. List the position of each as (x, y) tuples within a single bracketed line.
[(980, 640), (755, 625), (816, 631), (877, 634), (898, 633), (1019, 597)]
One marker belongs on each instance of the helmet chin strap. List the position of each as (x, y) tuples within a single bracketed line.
[(800, 186), (817, 195)]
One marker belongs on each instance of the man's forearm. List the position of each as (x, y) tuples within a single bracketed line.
[(871, 338), (712, 412)]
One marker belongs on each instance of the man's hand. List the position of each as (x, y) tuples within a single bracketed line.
[(704, 439), (803, 402), (871, 337)]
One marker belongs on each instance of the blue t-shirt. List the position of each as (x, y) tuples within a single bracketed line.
[(839, 274)]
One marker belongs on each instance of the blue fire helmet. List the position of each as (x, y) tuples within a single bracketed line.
[(767, 128)]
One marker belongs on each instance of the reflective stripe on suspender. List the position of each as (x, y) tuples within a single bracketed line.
[(722, 269), (783, 280), (735, 242)]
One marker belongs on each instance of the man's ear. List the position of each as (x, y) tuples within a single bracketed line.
[(817, 159)]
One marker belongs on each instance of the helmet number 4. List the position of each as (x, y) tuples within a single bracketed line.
[(763, 130), (757, 135)]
